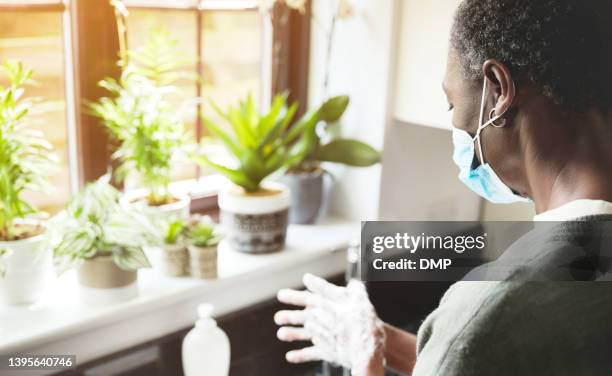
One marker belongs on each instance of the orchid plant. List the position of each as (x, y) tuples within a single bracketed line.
[(342, 10)]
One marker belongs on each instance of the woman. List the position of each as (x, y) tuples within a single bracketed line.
[(530, 89)]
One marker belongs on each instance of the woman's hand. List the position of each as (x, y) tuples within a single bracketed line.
[(340, 321)]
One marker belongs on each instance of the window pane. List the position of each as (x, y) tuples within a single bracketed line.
[(182, 25), (232, 56), (35, 38), (231, 51)]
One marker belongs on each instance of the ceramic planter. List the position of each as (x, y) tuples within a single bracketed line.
[(255, 222), (27, 268), (102, 281), (174, 260), (203, 262), (306, 195)]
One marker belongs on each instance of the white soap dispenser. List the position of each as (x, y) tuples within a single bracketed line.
[(206, 348)]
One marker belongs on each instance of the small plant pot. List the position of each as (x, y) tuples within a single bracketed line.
[(101, 281), (306, 195), (26, 270), (255, 222), (203, 262), (174, 260)]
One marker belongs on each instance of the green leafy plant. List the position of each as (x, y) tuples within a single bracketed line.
[(202, 233), (260, 143), (96, 224), (173, 231), (26, 158), (150, 132), (313, 151)]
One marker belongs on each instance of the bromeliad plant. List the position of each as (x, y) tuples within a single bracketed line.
[(26, 158), (150, 132), (260, 143), (97, 224)]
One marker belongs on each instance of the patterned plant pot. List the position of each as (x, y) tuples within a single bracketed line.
[(101, 281), (255, 222), (174, 260), (306, 195), (203, 262)]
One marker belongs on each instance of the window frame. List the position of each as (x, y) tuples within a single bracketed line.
[(92, 23)]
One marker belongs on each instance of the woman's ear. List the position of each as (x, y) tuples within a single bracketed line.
[(503, 84)]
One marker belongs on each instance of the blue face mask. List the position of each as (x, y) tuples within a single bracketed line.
[(482, 179)]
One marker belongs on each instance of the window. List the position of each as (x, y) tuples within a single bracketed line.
[(231, 41), (225, 39), (39, 44)]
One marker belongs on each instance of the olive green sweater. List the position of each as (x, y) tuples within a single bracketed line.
[(516, 326)]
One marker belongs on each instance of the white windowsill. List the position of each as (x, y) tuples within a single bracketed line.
[(63, 325)]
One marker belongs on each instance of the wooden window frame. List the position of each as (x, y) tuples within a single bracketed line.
[(91, 26)]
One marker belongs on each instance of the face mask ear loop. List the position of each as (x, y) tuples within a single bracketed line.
[(481, 119)]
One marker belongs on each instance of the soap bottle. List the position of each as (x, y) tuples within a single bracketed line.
[(206, 348)]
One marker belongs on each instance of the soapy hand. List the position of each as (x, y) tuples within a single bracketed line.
[(340, 321)]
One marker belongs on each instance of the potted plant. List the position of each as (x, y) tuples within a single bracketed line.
[(105, 239), (26, 158), (304, 175), (203, 239), (149, 131), (255, 212), (174, 256)]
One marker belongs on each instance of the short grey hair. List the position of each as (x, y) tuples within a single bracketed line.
[(564, 47)]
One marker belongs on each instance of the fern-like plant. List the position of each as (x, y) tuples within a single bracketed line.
[(97, 224), (150, 132), (26, 158)]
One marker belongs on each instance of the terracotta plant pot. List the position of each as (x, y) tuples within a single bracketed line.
[(203, 262), (102, 281), (174, 260), (255, 222), (306, 195), (27, 270)]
